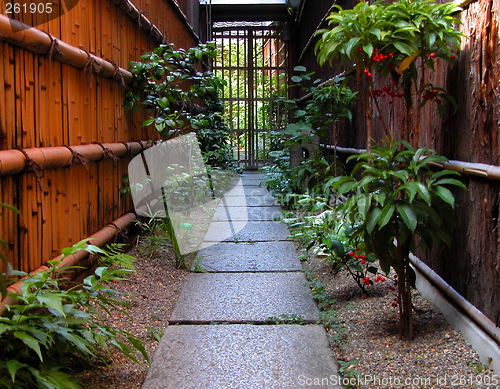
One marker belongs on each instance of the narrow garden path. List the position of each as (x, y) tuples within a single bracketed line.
[(225, 330)]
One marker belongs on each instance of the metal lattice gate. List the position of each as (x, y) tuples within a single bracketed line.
[(252, 60)]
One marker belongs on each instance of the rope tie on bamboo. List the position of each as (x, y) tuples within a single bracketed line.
[(92, 66), (106, 152), (142, 146), (139, 17), (117, 71), (129, 150), (77, 155), (54, 49), (34, 168), (119, 231)]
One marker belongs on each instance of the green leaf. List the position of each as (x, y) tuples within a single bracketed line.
[(13, 366), (52, 301), (30, 341), (350, 45), (385, 267), (10, 207), (407, 215), (423, 192), (450, 181), (372, 220), (386, 215), (147, 122), (403, 48), (445, 195)]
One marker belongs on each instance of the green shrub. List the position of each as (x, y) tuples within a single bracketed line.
[(48, 326)]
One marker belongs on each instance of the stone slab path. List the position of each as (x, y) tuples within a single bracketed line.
[(220, 334)]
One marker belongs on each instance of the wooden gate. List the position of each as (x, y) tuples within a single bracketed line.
[(252, 59)]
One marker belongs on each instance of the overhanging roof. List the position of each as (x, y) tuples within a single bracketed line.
[(247, 10)]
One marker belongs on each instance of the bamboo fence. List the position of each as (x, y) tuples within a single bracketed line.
[(63, 84)]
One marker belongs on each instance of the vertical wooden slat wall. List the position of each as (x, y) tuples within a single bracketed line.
[(472, 264), (47, 103)]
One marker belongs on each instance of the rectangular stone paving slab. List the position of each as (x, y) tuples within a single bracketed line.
[(243, 357), (244, 297), (250, 257), (261, 231), (247, 201), (247, 213)]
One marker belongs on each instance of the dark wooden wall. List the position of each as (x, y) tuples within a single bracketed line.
[(472, 264)]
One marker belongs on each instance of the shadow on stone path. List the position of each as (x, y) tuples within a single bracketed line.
[(219, 335)]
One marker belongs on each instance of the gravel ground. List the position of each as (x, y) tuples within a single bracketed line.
[(153, 292), (363, 334)]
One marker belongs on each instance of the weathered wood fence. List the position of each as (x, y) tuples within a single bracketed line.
[(62, 89), (472, 264)]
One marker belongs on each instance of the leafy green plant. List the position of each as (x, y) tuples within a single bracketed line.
[(154, 333), (325, 103), (114, 255), (171, 84), (286, 319), (49, 325), (151, 241), (399, 204), (213, 138), (400, 40), (349, 374)]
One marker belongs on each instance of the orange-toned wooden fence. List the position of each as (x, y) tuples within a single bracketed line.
[(70, 93)]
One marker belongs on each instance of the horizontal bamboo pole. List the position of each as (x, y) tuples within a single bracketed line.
[(14, 161), (100, 238), (143, 22), (491, 172), (184, 19), (476, 315), (40, 42)]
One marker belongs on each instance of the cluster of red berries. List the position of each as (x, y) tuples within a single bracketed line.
[(430, 95), (379, 278), (396, 302), (358, 256), (387, 91), (366, 280), (376, 57)]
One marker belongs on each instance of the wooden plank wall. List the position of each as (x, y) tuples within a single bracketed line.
[(46, 103), (472, 264)]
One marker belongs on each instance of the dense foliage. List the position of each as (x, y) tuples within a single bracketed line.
[(50, 325)]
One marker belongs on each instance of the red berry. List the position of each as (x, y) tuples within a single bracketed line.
[(394, 83), (363, 261), (365, 71), (362, 256), (360, 49), (369, 75), (432, 55), (351, 253), (356, 256), (357, 248), (453, 56), (382, 279), (391, 54)]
